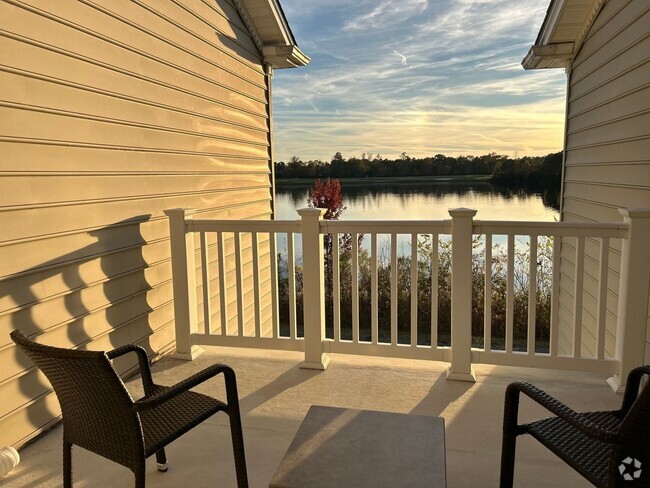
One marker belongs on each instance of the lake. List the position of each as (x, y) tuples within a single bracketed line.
[(371, 200)]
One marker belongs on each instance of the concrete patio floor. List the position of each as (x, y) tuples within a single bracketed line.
[(275, 396)]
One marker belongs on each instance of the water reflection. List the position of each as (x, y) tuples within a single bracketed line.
[(373, 201)]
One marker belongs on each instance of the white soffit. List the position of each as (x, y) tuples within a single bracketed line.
[(271, 32), (562, 32)]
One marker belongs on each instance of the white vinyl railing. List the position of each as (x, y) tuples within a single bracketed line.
[(244, 257)]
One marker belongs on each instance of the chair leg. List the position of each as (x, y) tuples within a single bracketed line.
[(238, 450), (161, 460), (508, 448), (140, 476), (67, 464), (509, 441), (235, 428)]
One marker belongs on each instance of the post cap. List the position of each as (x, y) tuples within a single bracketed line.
[(636, 213), (179, 211), (462, 212), (311, 212)]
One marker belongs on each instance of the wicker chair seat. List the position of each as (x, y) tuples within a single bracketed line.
[(101, 416), (587, 456), (609, 448), (168, 421)]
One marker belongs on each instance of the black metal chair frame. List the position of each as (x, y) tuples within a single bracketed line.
[(100, 415), (609, 449)]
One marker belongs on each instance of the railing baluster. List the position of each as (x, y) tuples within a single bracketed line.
[(336, 287), (602, 296), (434, 290), (510, 294), (291, 270), (374, 302), (577, 298), (355, 288), (205, 278), (532, 294), (240, 285), (487, 308), (257, 311), (223, 303), (414, 290), (555, 296), (393, 289), (275, 316)]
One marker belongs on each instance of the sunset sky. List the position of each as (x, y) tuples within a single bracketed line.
[(419, 76)]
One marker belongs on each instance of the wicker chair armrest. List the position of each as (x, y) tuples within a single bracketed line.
[(558, 408), (154, 400), (143, 362)]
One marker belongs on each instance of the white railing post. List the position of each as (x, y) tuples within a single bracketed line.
[(632, 315), (461, 295), (184, 283), (313, 292)]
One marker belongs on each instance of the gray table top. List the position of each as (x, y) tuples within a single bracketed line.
[(339, 447)]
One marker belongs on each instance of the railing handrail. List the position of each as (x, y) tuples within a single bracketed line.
[(205, 225), (386, 226), (505, 227), (560, 229)]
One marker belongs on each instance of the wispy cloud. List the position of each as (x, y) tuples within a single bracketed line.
[(386, 14), (423, 77)]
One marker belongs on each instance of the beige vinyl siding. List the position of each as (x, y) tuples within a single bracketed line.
[(110, 113), (607, 154)]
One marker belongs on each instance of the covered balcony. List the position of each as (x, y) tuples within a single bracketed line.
[(228, 307)]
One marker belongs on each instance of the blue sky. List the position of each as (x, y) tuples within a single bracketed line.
[(420, 76)]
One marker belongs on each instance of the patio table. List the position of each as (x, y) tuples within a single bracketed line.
[(340, 447)]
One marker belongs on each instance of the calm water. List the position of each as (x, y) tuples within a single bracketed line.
[(426, 201)]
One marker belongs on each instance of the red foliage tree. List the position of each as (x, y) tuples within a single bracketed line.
[(327, 195)]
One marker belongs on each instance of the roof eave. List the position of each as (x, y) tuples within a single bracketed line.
[(549, 56), (277, 44), (284, 56), (564, 28)]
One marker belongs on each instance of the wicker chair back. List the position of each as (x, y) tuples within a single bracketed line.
[(97, 409)]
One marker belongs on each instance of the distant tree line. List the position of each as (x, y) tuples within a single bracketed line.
[(527, 170)]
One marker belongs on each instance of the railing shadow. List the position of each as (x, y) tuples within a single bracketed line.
[(101, 291)]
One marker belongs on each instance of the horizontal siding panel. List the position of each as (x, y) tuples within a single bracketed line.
[(609, 195), (109, 253), (619, 173), (199, 39), (102, 259), (93, 333), (209, 24), (63, 68), (20, 224), (40, 95), (632, 150), (624, 50), (99, 38), (50, 127), (615, 130), (130, 292), (627, 106), (613, 19), (593, 92), (53, 158), (41, 190)]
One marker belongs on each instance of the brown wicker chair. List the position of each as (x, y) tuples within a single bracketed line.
[(100, 415), (610, 449)]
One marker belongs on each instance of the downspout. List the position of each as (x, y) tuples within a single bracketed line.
[(566, 138), (269, 108)]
